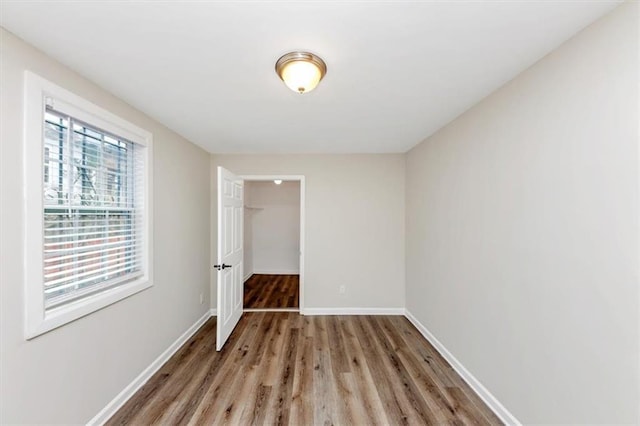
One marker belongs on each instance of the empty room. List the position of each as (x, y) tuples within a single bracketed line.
[(320, 212)]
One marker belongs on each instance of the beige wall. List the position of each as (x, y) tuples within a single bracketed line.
[(69, 374), (522, 233), (354, 224)]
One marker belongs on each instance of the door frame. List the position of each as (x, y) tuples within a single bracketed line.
[(299, 178)]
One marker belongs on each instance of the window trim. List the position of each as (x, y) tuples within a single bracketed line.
[(37, 92)]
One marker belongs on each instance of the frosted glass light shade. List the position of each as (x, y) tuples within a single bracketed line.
[(301, 71), (301, 76)]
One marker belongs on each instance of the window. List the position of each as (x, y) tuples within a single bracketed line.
[(87, 205)]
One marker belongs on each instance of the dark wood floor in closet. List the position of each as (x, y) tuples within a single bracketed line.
[(286, 369), (263, 291)]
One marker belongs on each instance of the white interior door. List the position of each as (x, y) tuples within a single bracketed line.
[(230, 254)]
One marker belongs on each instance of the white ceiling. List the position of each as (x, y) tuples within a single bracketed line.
[(397, 71)]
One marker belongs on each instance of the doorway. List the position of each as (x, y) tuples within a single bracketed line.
[(273, 241)]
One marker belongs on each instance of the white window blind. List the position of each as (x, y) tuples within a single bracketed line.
[(93, 200)]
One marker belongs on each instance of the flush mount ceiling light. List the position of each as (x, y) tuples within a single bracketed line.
[(301, 71), (277, 181)]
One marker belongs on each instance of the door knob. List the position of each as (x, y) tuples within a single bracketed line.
[(223, 266)]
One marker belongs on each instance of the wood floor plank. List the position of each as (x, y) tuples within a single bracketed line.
[(281, 401), (384, 383), (263, 291), (230, 404), (267, 328), (417, 410), (324, 388), (221, 372), (285, 369), (301, 403), (255, 413), (437, 366), (161, 404), (428, 384), (367, 390), (270, 358), (336, 344), (245, 373), (430, 389)]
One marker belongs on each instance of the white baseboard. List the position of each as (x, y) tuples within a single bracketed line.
[(112, 407), (352, 311), (277, 272), (246, 277), (484, 394), (213, 312)]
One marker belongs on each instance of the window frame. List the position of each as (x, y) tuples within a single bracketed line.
[(38, 92)]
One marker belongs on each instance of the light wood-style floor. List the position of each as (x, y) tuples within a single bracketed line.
[(283, 368), (263, 291)]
